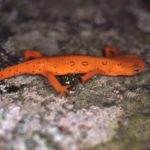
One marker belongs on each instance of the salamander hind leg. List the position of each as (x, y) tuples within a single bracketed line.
[(110, 51), (55, 83), (31, 54)]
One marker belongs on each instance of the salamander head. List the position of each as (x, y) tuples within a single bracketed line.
[(129, 65)]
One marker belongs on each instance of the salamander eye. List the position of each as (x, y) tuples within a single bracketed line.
[(136, 67), (136, 70)]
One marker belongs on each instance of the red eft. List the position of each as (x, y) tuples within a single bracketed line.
[(113, 64)]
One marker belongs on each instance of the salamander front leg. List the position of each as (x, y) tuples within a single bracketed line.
[(56, 84), (110, 51), (91, 74), (31, 54)]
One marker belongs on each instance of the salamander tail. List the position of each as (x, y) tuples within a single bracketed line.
[(11, 71)]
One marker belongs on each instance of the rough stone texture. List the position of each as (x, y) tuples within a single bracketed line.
[(107, 112)]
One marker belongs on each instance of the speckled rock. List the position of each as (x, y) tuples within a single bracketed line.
[(105, 113)]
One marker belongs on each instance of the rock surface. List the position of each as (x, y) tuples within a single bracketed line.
[(108, 112)]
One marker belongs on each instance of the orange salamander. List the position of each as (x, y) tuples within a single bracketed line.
[(113, 64)]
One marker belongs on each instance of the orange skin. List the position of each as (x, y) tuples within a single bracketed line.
[(113, 64)]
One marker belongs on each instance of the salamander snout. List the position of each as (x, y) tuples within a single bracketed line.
[(130, 65)]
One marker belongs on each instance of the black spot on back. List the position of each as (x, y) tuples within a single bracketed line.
[(72, 63), (33, 71), (9, 70), (2, 75), (104, 63), (119, 64), (84, 63)]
